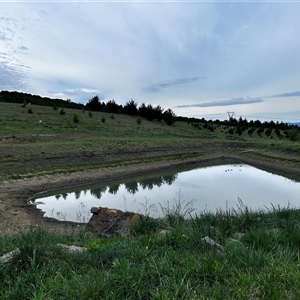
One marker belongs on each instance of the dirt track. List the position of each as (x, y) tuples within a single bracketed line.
[(16, 214)]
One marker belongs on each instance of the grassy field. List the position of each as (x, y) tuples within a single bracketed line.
[(46, 142), (259, 257)]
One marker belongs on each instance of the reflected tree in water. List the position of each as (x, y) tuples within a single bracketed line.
[(97, 193), (159, 181), (77, 194), (132, 187), (114, 189), (147, 183), (57, 196), (64, 195), (169, 179)]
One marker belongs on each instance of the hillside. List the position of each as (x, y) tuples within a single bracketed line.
[(41, 140)]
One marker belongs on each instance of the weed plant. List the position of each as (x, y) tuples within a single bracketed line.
[(75, 118), (260, 261)]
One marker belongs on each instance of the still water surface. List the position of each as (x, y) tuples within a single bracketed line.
[(207, 188)]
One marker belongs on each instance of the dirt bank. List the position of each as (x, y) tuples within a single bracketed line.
[(16, 214)]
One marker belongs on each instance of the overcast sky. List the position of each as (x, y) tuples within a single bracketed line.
[(199, 58)]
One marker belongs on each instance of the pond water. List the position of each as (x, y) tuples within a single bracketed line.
[(205, 188)]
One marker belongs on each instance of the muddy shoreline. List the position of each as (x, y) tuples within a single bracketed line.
[(16, 214)]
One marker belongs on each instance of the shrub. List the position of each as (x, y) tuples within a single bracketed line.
[(75, 118), (231, 131), (169, 116), (239, 131), (103, 119), (112, 117), (278, 133), (62, 112), (260, 131), (138, 121), (30, 110), (294, 134), (54, 107), (90, 113), (268, 132)]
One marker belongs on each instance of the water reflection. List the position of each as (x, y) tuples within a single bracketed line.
[(97, 192), (132, 187), (114, 189), (211, 188)]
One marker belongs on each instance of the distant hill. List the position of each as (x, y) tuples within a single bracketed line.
[(19, 97), (294, 123)]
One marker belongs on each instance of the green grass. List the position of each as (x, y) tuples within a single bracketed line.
[(261, 257), (46, 142), (260, 261), (15, 121)]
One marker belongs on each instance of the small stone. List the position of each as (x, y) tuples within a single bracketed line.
[(211, 242), (73, 248), (163, 231), (95, 210)]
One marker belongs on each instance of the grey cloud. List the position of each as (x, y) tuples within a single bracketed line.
[(165, 84), (235, 101), (12, 77), (293, 94), (4, 35), (23, 48)]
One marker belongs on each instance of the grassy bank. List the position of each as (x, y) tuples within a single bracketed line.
[(260, 260)]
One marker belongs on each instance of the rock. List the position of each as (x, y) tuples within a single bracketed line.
[(8, 257), (95, 210), (163, 231), (107, 222), (73, 248), (207, 240)]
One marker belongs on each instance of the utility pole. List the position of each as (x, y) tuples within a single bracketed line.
[(230, 114)]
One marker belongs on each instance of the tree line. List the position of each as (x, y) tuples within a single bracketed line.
[(148, 112), (19, 97), (131, 108)]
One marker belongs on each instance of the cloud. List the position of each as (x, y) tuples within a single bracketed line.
[(81, 91), (293, 94), (235, 101), (168, 83), (75, 94), (23, 48), (13, 77)]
